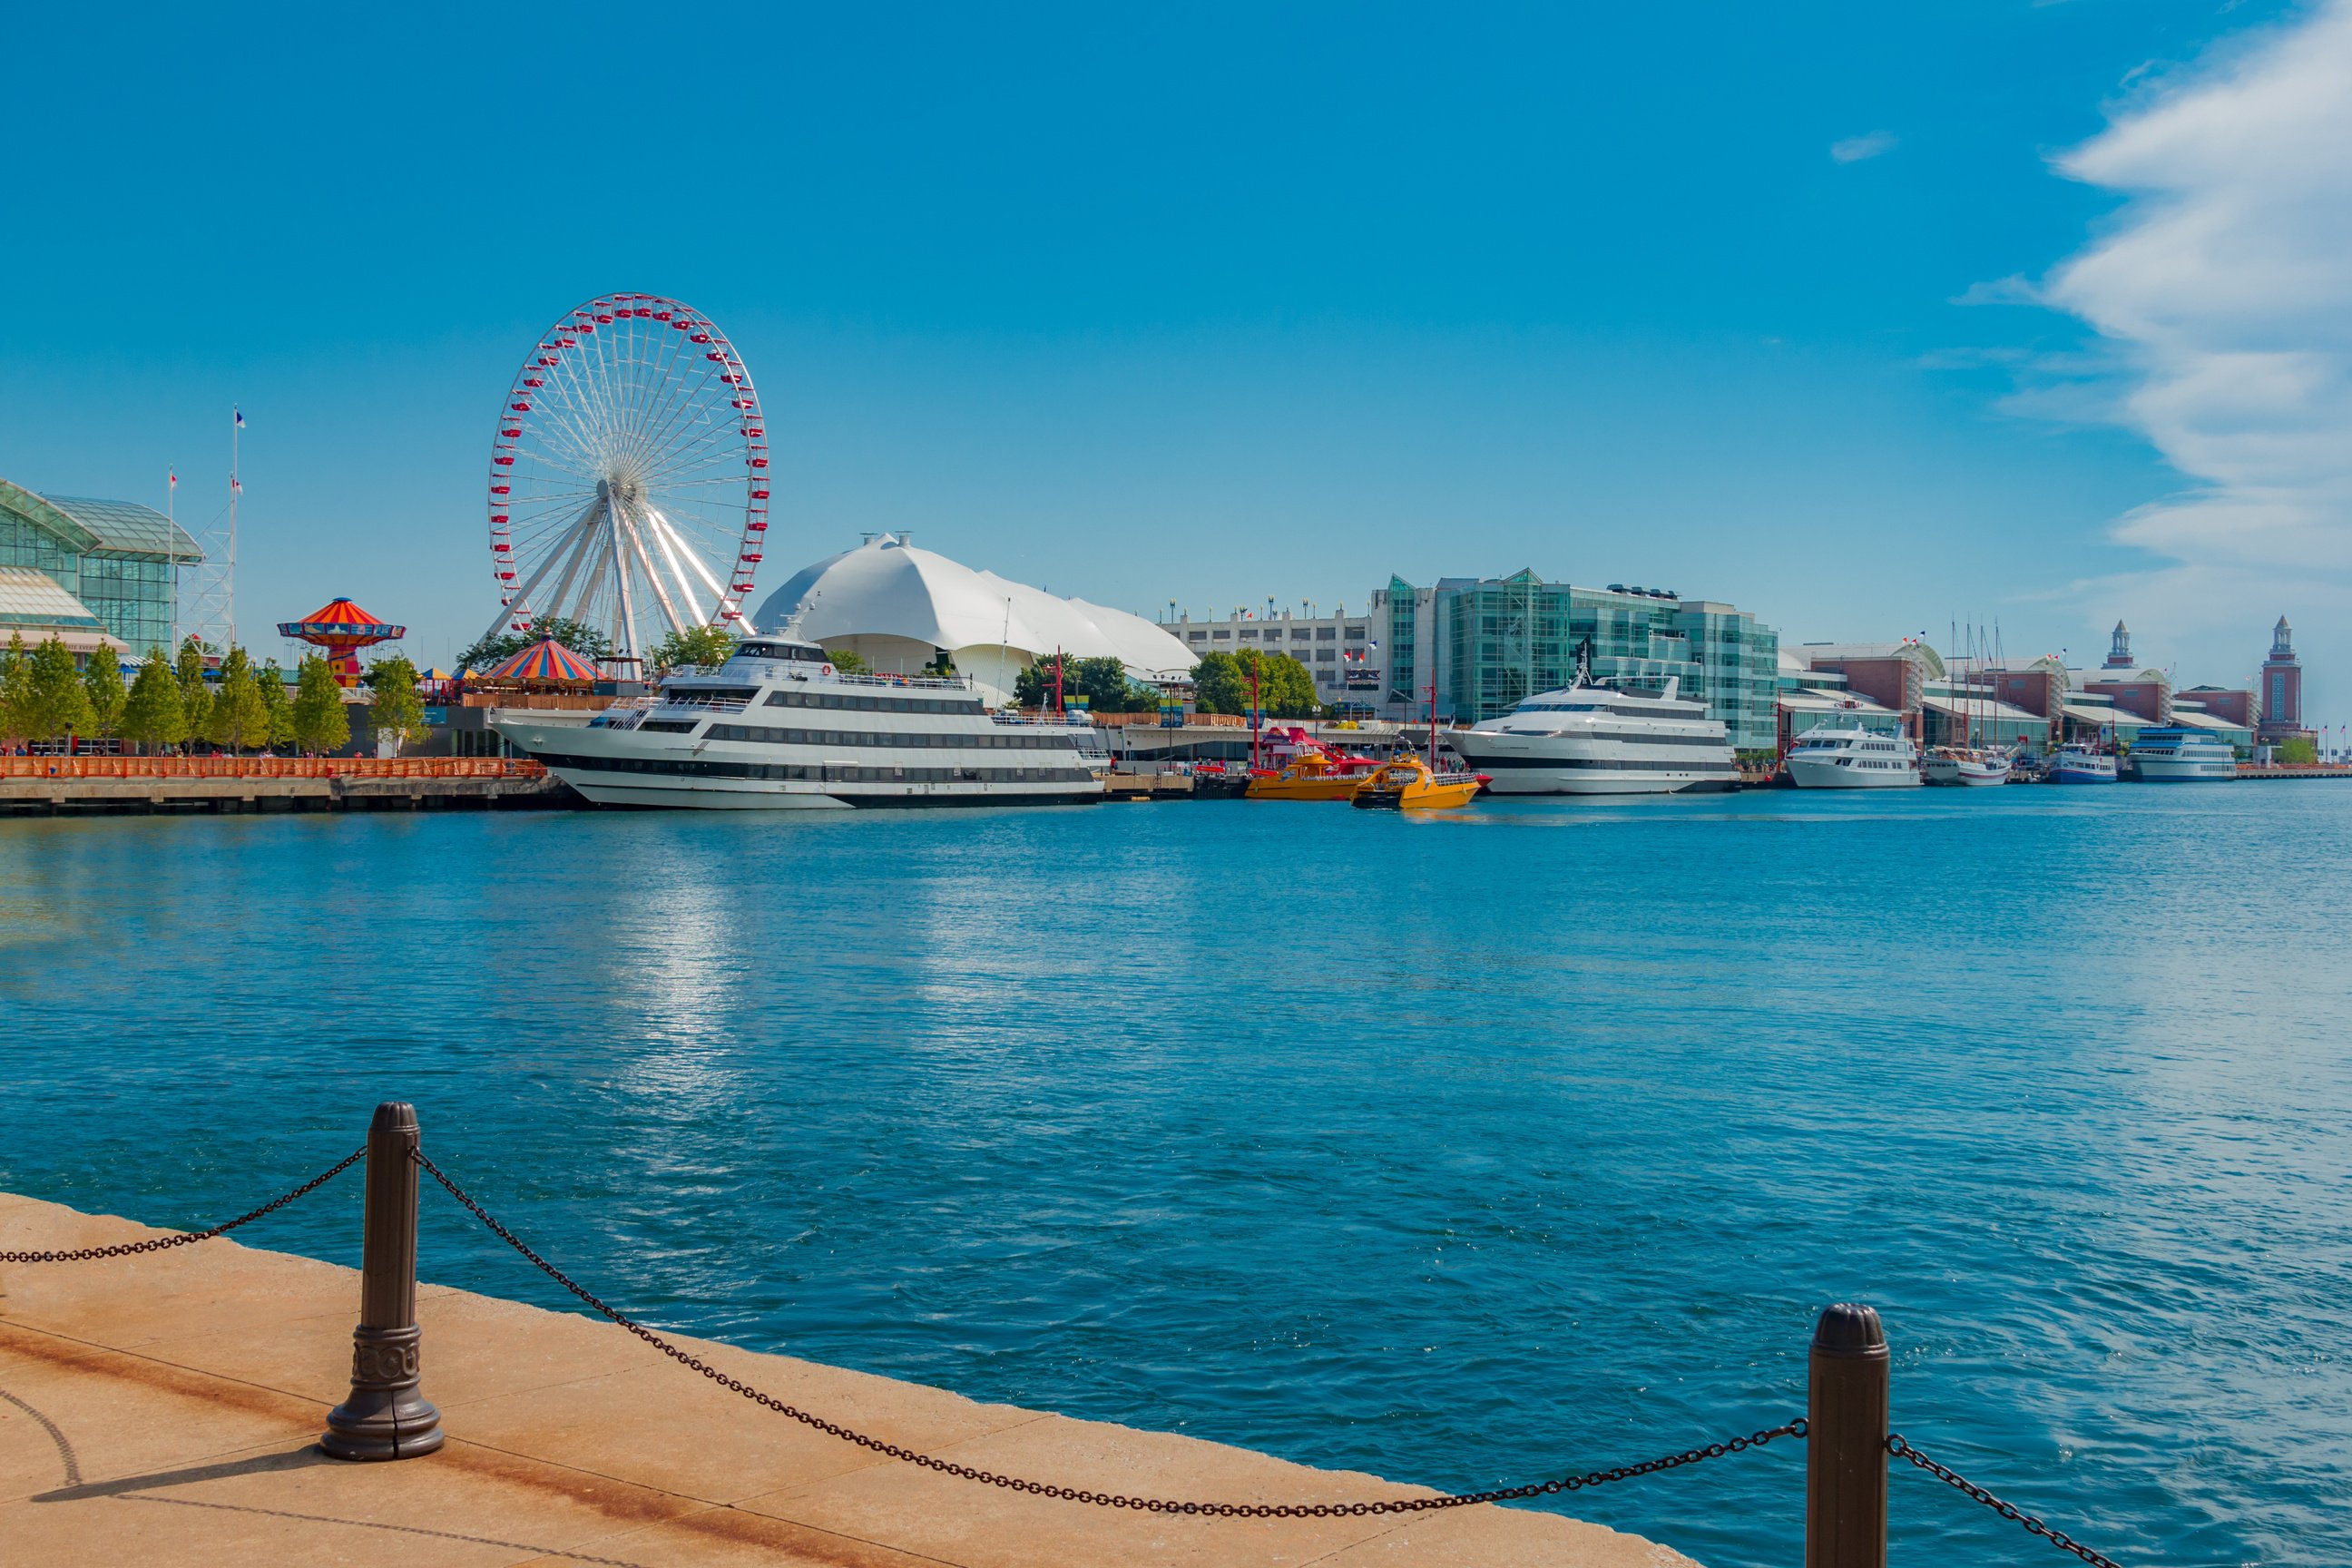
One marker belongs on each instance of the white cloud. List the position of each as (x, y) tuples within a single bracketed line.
[(2222, 292), (2010, 291), (1854, 149)]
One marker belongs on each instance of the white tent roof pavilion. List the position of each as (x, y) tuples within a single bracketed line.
[(897, 608)]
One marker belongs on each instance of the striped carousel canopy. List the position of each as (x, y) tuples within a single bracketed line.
[(340, 621), (545, 659)]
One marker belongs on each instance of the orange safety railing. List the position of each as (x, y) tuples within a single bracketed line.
[(270, 768)]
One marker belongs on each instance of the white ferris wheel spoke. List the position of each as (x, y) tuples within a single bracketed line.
[(700, 571), (677, 573), (653, 578), (583, 548), (519, 603)]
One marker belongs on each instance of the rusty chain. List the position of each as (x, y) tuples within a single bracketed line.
[(158, 1243), (1795, 1428), (2056, 1537)]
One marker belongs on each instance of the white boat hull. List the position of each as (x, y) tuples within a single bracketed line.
[(2169, 771), (1536, 782), (748, 794), (1585, 755), (706, 759), (1810, 772), (1505, 779), (1964, 772)]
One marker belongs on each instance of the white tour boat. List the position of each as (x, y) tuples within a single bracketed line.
[(1851, 757), (1966, 765), (777, 726), (2079, 763), (1588, 739), (2180, 756)]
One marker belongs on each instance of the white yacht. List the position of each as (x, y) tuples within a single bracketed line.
[(1966, 765), (1851, 757), (1588, 739), (2079, 763), (777, 726), (2180, 755)]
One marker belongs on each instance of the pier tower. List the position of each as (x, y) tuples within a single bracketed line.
[(2281, 689), (2119, 654)]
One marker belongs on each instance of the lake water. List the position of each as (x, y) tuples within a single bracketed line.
[(1466, 1150)]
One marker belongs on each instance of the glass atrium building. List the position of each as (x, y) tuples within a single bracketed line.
[(104, 567), (1487, 645)]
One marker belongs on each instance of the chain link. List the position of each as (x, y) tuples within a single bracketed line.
[(1795, 1428), (157, 1244), (2057, 1538)]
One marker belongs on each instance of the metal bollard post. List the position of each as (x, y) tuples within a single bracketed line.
[(385, 1416), (1845, 1441)]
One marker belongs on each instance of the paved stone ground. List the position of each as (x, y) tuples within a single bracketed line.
[(165, 1409)]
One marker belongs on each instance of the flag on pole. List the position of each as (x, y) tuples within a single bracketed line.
[(175, 474), (234, 488), (238, 413)]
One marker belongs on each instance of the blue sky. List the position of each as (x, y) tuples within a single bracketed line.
[(1200, 303)]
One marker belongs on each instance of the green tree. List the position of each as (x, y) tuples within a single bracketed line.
[(1101, 682), (1033, 687), (320, 725), (848, 661), (195, 694), (270, 681), (1285, 687), (578, 635), (2296, 750), (1218, 686), (239, 717), (61, 701), (154, 716), (101, 677), (15, 717), (55, 704), (1221, 684), (395, 711), (702, 647)]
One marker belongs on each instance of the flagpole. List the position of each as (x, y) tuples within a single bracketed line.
[(235, 424)]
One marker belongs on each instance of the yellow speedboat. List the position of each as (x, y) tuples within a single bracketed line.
[(1312, 776), (1408, 784)]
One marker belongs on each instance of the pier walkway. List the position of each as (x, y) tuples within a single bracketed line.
[(165, 1408), (98, 786)]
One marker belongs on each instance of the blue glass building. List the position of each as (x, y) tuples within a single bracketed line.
[(81, 568)]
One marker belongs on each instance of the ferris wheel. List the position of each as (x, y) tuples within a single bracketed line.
[(629, 479)]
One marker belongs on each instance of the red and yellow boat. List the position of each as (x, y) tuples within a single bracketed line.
[(1313, 775), (1409, 783)]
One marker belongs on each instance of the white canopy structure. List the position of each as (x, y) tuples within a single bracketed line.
[(898, 608)]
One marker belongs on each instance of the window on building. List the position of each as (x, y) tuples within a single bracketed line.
[(1325, 655), (1221, 637), (1325, 634), (1355, 634), (1298, 634), (1198, 636)]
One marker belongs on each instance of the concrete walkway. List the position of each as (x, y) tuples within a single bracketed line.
[(165, 1409)]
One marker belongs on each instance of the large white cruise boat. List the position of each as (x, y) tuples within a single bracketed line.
[(1588, 739), (777, 727), (2181, 755), (1851, 757)]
